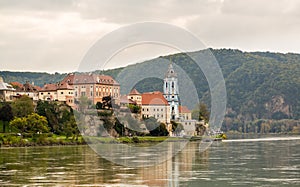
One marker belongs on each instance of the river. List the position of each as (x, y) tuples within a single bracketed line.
[(254, 162)]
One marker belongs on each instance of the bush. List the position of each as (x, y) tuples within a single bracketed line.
[(135, 139)]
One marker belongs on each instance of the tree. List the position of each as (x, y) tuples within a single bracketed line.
[(6, 115), (98, 105), (155, 128), (51, 111), (84, 103), (19, 123), (107, 102), (33, 123), (176, 127), (201, 113), (22, 106), (134, 108), (70, 128), (37, 123)]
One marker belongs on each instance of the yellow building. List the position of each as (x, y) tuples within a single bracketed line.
[(155, 105)]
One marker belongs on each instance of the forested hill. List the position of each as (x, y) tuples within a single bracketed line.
[(260, 85), (39, 79)]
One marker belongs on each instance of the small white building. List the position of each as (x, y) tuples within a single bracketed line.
[(189, 127), (7, 91)]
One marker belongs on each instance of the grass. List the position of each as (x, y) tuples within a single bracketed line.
[(12, 140)]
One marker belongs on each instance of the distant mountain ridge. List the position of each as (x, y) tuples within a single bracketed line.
[(260, 85)]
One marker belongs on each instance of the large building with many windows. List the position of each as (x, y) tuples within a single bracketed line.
[(93, 86)]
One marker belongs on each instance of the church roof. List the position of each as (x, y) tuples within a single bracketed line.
[(134, 92), (183, 109), (153, 98), (171, 72)]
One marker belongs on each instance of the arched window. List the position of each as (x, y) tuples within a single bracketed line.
[(172, 84)]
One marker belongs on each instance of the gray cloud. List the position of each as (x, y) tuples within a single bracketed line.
[(54, 35)]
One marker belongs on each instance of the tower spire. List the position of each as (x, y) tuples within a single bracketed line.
[(171, 91)]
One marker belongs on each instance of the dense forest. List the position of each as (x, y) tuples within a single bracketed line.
[(262, 87)]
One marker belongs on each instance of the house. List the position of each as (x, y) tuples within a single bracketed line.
[(184, 113), (124, 101), (62, 92), (28, 89), (93, 86), (135, 96), (7, 91), (155, 105), (189, 127)]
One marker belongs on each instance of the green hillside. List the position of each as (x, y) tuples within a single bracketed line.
[(260, 85)]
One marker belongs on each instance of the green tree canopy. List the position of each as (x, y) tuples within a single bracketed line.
[(22, 106)]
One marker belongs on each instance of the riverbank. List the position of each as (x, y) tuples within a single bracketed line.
[(13, 140)]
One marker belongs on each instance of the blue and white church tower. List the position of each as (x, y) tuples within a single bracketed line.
[(171, 92)]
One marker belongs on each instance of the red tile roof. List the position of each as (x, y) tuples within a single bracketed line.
[(134, 92), (183, 109), (89, 79), (153, 98), (25, 87), (57, 86), (125, 100), (49, 87), (17, 85)]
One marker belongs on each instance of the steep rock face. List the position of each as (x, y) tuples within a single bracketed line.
[(278, 108)]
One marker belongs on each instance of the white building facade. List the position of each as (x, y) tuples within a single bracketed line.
[(171, 92)]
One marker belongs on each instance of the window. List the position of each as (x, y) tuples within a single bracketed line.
[(154, 109), (147, 109), (172, 84), (162, 109), (82, 93), (48, 93), (91, 93), (42, 93), (143, 109), (75, 94), (61, 92)]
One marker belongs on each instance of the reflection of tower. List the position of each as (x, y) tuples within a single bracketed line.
[(171, 92)]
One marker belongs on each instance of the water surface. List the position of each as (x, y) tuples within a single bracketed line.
[(265, 162)]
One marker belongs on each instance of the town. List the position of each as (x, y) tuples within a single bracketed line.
[(164, 107)]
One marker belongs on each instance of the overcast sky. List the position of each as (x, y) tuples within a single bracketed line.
[(54, 35)]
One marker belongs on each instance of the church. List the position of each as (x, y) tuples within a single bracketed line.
[(166, 106), (171, 92)]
